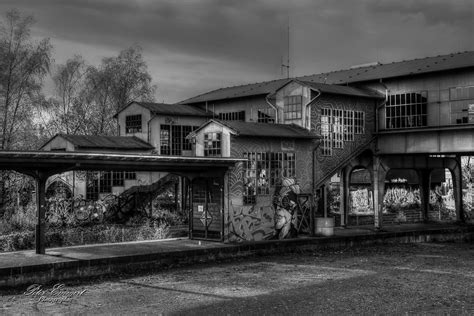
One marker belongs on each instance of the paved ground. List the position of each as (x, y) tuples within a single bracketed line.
[(104, 251), (399, 279)]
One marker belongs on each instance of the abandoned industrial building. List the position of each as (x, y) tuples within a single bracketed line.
[(262, 160)]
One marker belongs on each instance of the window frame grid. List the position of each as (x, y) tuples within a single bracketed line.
[(293, 107), (349, 125), (232, 116), (266, 116), (338, 128), (460, 99), (326, 132), (213, 144), (133, 124), (359, 122), (173, 139), (100, 182), (407, 110), (276, 166)]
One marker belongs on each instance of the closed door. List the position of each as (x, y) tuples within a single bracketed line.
[(207, 210)]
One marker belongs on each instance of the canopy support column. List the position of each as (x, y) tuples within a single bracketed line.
[(424, 180), (40, 237)]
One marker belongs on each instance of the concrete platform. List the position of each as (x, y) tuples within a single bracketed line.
[(72, 263)]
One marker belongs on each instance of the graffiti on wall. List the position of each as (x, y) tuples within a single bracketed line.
[(286, 204), (261, 218), (269, 218), (362, 201), (251, 222)]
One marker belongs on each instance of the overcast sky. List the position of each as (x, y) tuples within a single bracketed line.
[(192, 47)]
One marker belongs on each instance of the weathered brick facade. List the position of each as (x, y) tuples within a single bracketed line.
[(256, 221), (326, 165)]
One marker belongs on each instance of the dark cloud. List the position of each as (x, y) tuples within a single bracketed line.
[(455, 12), (193, 46)]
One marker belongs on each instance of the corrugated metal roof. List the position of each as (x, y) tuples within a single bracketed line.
[(396, 69), (170, 109), (56, 161), (174, 109), (268, 130), (238, 91), (357, 74), (346, 90), (106, 142)]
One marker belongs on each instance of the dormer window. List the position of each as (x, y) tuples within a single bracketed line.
[(212, 144), (133, 124), (292, 109)]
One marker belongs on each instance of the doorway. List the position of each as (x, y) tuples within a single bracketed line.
[(207, 216)]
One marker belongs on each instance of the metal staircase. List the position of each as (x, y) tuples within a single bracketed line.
[(327, 175)]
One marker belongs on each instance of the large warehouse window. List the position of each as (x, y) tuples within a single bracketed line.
[(462, 104), (293, 107), (103, 181), (339, 126), (133, 124), (173, 139), (406, 110), (264, 170)]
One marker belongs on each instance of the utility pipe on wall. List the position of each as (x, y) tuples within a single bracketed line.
[(309, 104), (274, 107)]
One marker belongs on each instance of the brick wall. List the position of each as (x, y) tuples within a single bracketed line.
[(252, 222)]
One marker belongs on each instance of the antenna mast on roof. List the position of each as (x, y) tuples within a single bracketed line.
[(287, 66)]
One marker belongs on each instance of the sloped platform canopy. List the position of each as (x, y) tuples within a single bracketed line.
[(32, 162), (41, 165)]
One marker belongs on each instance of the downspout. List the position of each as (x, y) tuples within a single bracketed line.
[(149, 128), (273, 106), (309, 104), (317, 146), (378, 107), (314, 164)]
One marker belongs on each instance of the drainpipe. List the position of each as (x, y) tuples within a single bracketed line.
[(274, 107), (309, 104), (149, 128), (379, 106), (316, 147)]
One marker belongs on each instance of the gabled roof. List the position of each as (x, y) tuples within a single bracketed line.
[(346, 76), (170, 109), (262, 129), (345, 90), (336, 89), (261, 88), (105, 142)]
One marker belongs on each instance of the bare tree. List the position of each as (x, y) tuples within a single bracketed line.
[(61, 111), (23, 65), (130, 77), (87, 97)]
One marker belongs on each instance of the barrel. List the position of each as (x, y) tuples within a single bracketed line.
[(325, 226)]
